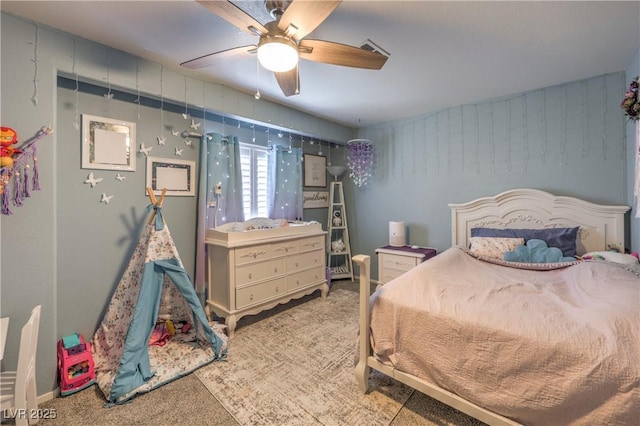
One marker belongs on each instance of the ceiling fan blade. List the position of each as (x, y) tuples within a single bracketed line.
[(289, 81), (212, 58), (341, 54), (236, 16), (305, 16)]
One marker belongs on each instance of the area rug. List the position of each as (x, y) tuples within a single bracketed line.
[(296, 368)]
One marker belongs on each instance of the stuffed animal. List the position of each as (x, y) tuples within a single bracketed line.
[(8, 137), (337, 220), (337, 245)]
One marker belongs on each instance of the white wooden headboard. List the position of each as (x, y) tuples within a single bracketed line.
[(601, 226)]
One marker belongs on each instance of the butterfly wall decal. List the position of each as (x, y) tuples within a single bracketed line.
[(105, 198), (93, 181), (145, 150)]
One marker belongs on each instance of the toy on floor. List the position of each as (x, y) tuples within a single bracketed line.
[(75, 364)]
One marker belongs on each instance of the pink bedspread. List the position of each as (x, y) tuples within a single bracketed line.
[(543, 348)]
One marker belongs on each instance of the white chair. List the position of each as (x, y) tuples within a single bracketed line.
[(18, 393), (4, 327)]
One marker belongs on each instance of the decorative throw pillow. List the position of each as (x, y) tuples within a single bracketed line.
[(536, 251), (563, 238), (493, 247)]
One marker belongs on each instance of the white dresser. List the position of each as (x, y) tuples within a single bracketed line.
[(251, 271)]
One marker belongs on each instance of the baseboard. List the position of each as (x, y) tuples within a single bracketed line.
[(356, 279), (48, 396)]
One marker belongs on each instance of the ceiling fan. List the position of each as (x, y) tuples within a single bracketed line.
[(282, 41)]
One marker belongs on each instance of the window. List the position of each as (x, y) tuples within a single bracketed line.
[(255, 166)]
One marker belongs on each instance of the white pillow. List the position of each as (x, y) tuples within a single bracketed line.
[(611, 256), (493, 246)]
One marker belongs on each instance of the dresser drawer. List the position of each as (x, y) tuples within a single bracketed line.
[(389, 274), (252, 254), (403, 263), (255, 272), (257, 293), (307, 260), (311, 243), (284, 249), (305, 278)]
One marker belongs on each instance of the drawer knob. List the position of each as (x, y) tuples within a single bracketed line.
[(297, 282), (250, 275), (251, 296), (275, 269), (296, 264), (277, 289)]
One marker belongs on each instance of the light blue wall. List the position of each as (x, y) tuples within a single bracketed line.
[(632, 71), (94, 241), (62, 248), (568, 140)]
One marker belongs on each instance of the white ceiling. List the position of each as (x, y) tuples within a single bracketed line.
[(443, 53)]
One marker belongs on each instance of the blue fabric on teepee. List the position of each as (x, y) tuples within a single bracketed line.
[(134, 363)]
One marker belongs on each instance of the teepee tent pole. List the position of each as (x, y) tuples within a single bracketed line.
[(155, 202)]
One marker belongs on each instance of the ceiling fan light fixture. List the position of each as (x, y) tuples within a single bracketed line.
[(277, 53)]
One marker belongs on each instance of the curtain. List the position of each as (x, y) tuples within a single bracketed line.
[(219, 165), (285, 184), (636, 185)]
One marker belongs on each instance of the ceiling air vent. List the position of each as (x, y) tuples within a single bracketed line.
[(370, 46)]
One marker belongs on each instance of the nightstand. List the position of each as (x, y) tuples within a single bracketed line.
[(395, 261)]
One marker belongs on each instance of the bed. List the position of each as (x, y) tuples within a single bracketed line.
[(509, 343)]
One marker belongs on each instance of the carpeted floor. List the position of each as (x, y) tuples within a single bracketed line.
[(296, 367), (317, 388)]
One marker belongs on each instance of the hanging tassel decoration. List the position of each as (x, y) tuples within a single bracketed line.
[(17, 189), (36, 178), (5, 192), (21, 165), (5, 203), (25, 183)]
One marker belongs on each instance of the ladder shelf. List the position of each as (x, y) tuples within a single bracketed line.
[(338, 244)]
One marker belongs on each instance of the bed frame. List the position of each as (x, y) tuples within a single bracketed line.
[(601, 228)]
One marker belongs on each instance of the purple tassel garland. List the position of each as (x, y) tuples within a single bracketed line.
[(21, 183)]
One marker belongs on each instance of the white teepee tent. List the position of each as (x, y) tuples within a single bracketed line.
[(154, 287)]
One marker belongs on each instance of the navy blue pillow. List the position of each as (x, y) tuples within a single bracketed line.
[(563, 238)]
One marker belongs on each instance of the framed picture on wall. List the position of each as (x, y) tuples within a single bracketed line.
[(315, 171), (177, 176), (108, 144)]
